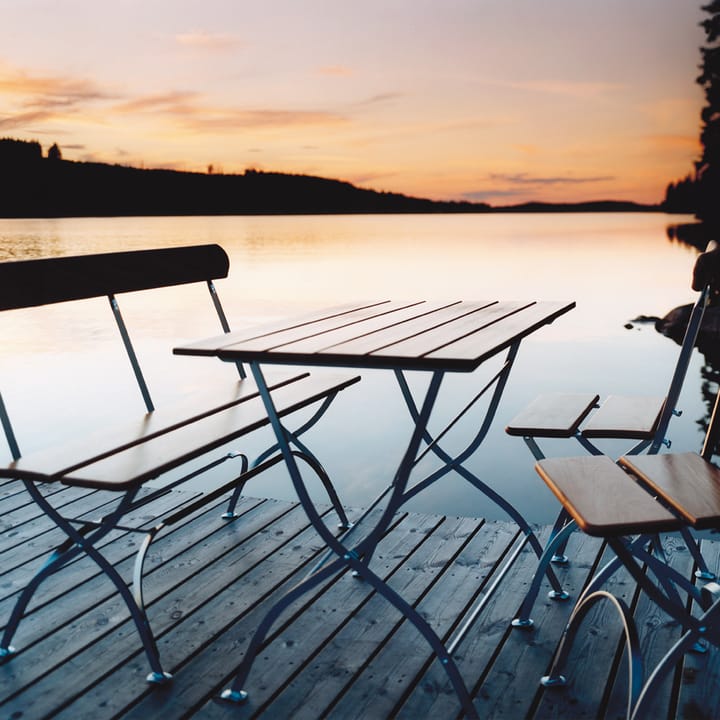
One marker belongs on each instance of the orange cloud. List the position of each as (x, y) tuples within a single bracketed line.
[(583, 90), (191, 112), (336, 70), (207, 41)]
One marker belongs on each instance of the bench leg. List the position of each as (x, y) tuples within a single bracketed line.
[(309, 457), (82, 541)]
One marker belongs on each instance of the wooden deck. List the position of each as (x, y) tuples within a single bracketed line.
[(343, 653)]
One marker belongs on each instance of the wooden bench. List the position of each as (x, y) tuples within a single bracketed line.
[(628, 503), (121, 459)]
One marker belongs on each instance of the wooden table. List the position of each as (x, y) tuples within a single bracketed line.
[(431, 337)]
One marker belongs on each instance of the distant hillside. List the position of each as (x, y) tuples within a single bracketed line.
[(37, 186)]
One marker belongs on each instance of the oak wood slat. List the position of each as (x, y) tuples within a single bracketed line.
[(398, 321), (336, 314), (686, 481), (477, 317), (361, 350), (628, 417), (556, 415), (468, 352), (603, 499), (141, 462), (353, 322), (51, 462)]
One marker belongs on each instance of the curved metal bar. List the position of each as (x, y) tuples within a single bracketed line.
[(500, 380), (263, 456), (703, 571), (668, 577), (352, 557), (632, 643), (139, 565), (669, 660), (510, 509), (675, 611), (85, 543), (64, 553), (320, 471), (523, 619)]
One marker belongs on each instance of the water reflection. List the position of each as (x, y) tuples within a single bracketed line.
[(615, 266)]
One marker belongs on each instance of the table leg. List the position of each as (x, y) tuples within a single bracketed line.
[(356, 558)]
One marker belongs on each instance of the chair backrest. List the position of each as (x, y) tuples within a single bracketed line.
[(681, 368)]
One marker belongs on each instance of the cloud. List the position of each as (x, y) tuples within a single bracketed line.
[(208, 41), (380, 98), (189, 110), (523, 179), (582, 90), (22, 120), (515, 186), (335, 70), (36, 98), (48, 91)]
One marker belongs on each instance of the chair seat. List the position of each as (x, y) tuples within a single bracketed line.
[(625, 416), (685, 481), (603, 499), (560, 415), (553, 415)]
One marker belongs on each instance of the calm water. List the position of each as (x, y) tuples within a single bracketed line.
[(615, 266)]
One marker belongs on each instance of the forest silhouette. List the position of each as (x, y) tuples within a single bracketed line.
[(49, 186)]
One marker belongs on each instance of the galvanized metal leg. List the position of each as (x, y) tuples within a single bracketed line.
[(82, 541), (523, 619), (308, 456), (351, 557), (455, 463)]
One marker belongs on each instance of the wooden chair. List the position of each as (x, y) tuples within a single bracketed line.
[(628, 503), (643, 419)]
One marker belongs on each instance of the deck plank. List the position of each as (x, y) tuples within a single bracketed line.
[(342, 651)]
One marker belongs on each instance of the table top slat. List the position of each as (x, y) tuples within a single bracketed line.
[(455, 336), (603, 499), (210, 346), (468, 352), (315, 336), (447, 321)]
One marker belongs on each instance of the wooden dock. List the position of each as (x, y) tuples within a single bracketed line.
[(342, 652)]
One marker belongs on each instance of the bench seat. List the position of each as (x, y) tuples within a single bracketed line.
[(160, 447)]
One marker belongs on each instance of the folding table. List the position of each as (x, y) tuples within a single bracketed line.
[(434, 338)]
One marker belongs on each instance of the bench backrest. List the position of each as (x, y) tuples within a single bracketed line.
[(31, 283)]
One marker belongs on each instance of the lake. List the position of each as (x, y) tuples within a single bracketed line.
[(615, 266)]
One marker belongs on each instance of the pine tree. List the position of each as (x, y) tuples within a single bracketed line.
[(708, 168)]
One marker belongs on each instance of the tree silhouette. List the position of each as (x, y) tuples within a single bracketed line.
[(708, 168), (54, 152), (698, 192)]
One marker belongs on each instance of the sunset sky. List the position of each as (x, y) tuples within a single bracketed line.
[(494, 100)]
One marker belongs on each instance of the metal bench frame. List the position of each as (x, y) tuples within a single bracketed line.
[(39, 282)]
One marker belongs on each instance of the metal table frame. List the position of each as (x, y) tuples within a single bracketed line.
[(345, 552)]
